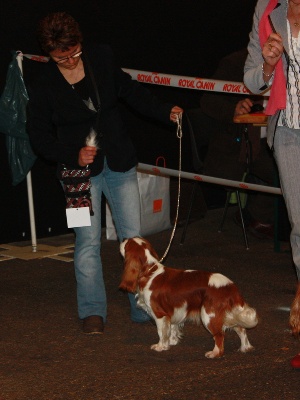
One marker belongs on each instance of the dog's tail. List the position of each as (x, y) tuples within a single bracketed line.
[(295, 313), (243, 316)]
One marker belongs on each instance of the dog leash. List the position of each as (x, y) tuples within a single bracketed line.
[(179, 136)]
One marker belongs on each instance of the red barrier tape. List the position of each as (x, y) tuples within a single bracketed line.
[(183, 82)]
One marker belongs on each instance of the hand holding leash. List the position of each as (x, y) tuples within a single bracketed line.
[(174, 113)]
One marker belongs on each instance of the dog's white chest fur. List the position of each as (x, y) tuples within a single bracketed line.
[(144, 295)]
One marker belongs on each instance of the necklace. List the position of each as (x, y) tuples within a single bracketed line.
[(73, 76), (296, 23)]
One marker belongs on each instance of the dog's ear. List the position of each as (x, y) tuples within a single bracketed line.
[(130, 275), (132, 267)]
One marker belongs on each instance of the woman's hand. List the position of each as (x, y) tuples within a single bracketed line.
[(174, 112), (86, 155), (272, 52), (243, 107)]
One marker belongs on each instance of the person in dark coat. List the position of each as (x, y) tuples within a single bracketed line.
[(76, 95)]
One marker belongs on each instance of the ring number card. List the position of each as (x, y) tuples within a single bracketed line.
[(78, 217)]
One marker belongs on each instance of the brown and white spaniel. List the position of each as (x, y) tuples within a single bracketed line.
[(173, 296)]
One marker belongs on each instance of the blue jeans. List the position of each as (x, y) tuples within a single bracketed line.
[(122, 193)]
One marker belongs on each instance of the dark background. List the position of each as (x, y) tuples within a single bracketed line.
[(177, 37)]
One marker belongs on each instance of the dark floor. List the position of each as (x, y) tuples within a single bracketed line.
[(44, 355)]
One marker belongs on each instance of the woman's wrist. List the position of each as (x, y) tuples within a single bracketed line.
[(267, 71)]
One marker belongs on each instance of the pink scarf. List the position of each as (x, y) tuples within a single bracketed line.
[(277, 100)]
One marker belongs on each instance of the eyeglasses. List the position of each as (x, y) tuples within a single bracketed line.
[(65, 59)]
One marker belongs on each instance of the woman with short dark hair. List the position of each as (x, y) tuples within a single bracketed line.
[(78, 92)]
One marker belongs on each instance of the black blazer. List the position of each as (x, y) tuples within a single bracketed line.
[(59, 121)]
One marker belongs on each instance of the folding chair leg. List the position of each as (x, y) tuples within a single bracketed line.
[(189, 212), (242, 219)]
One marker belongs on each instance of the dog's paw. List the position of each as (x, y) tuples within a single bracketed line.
[(213, 354), (245, 349), (174, 341), (159, 347)]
